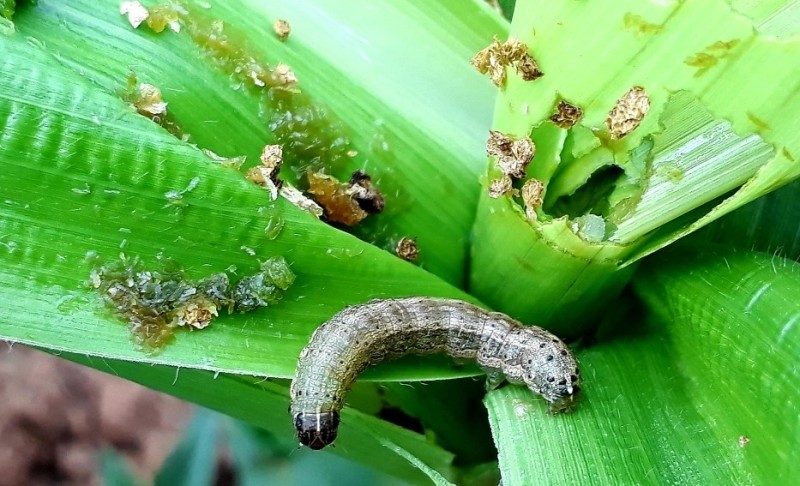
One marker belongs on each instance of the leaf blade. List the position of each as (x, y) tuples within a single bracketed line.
[(671, 401)]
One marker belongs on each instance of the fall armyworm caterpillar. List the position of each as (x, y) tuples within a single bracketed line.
[(361, 336)]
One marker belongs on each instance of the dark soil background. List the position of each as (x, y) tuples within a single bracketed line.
[(56, 416)]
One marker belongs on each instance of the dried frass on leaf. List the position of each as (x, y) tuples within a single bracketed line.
[(500, 187), (407, 249), (495, 58), (331, 194), (282, 29), (532, 197), (147, 100), (365, 193), (268, 173), (163, 16), (156, 302), (197, 313), (566, 115), (284, 78), (272, 158), (528, 68), (513, 155), (628, 113), (349, 203)]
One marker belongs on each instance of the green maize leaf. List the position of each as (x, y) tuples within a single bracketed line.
[(264, 404), (82, 173), (768, 224), (696, 156), (112, 177), (7, 8), (363, 105), (703, 393)]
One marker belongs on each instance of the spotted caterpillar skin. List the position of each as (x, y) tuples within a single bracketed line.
[(361, 336)]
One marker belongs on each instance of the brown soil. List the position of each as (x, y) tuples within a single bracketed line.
[(55, 416)]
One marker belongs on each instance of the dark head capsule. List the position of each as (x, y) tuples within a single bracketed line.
[(316, 429)]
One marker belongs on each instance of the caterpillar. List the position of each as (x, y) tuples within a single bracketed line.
[(363, 335)]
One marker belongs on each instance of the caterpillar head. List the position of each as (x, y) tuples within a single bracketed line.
[(551, 371), (316, 429)]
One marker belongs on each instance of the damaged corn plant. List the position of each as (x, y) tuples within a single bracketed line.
[(189, 189)]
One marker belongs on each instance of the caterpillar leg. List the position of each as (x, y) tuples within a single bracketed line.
[(494, 379)]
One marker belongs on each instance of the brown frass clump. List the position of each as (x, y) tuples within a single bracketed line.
[(282, 29), (345, 203), (566, 115), (268, 173), (365, 193), (513, 155), (532, 197), (502, 186), (628, 112), (156, 302), (496, 57), (146, 99), (407, 249)]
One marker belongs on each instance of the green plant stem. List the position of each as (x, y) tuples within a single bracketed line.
[(609, 202)]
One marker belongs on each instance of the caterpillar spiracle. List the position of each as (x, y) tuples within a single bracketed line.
[(363, 335)]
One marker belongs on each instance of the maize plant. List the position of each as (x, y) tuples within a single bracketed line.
[(591, 176)]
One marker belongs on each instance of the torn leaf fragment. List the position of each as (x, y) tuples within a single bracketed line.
[(260, 176), (628, 113), (232, 162), (407, 249), (135, 11), (299, 200), (566, 115), (512, 53), (282, 29), (268, 173)]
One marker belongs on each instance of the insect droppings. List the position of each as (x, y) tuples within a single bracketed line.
[(388, 329), (628, 112), (157, 301)]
